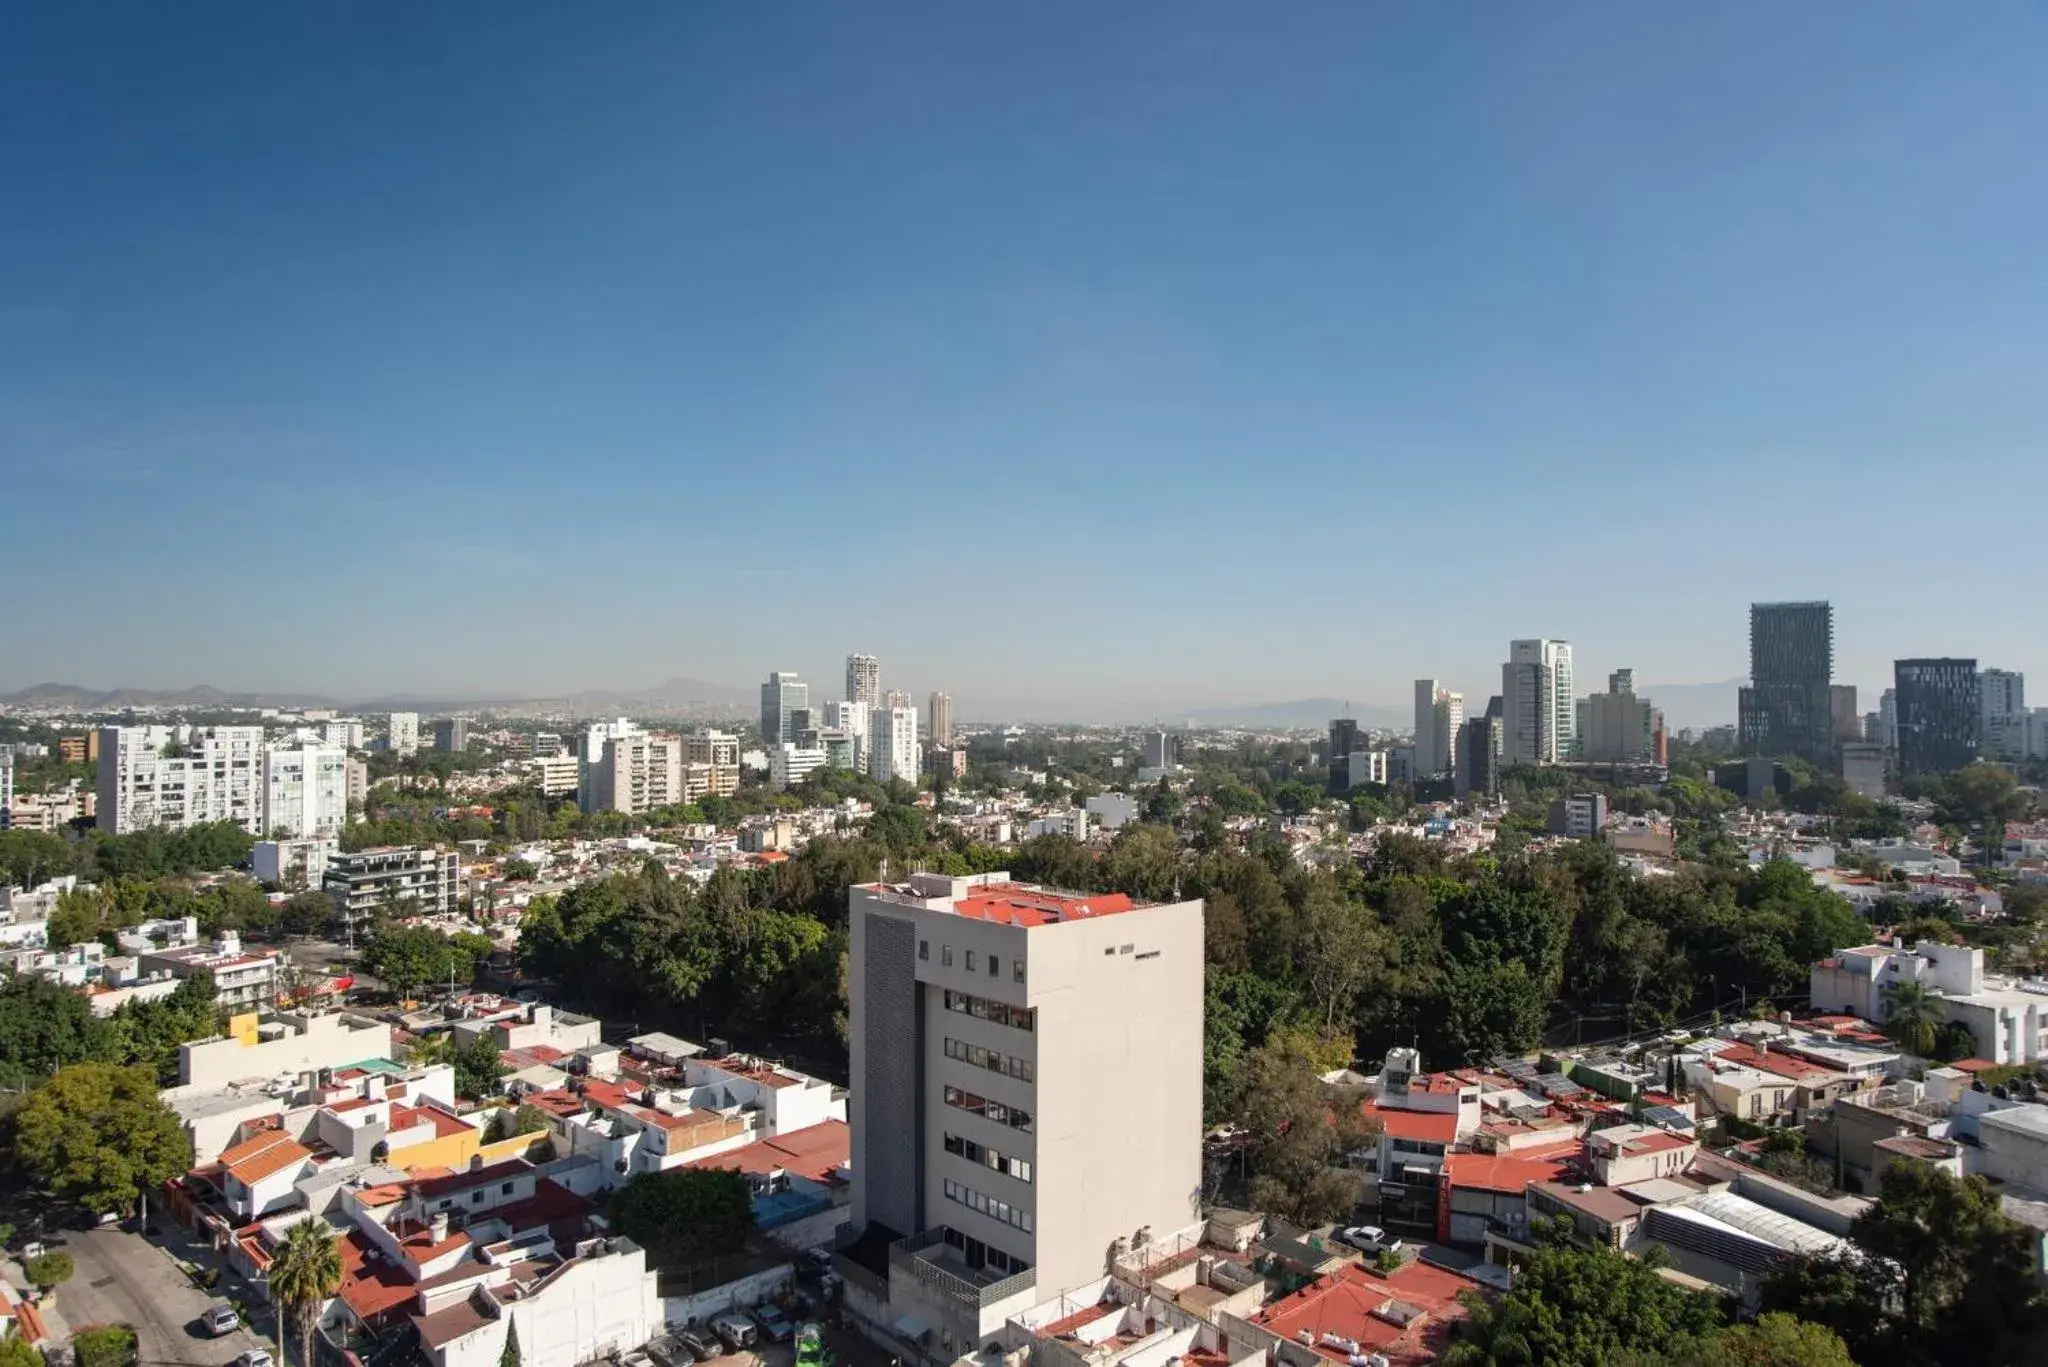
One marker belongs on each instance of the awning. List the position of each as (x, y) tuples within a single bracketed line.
[(912, 1328)]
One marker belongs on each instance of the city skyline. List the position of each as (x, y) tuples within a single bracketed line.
[(1631, 284)]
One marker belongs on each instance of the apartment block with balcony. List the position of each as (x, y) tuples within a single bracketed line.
[(1026, 1091), (179, 776), (243, 980), (421, 879)]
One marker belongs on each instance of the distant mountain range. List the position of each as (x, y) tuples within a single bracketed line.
[(1693, 705)]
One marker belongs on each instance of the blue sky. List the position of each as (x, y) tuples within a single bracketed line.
[(1144, 356)]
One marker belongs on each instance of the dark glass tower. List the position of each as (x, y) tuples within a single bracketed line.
[(1785, 709), (1937, 712)]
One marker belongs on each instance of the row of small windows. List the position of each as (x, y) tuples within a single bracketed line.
[(962, 1147), (978, 1255), (988, 1205), (1016, 1117), (995, 965), (991, 1059), (981, 1008)]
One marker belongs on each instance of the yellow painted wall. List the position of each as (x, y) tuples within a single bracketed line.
[(448, 1151)]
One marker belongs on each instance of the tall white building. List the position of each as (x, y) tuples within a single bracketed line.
[(1888, 719), (939, 720), (864, 680), (402, 732), (1026, 1088), (636, 773), (212, 773), (6, 784), (2002, 705), (347, 732), (892, 744), (2037, 733), (305, 791), (1539, 718), (598, 733)]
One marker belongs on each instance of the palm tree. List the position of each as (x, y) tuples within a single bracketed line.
[(303, 1275), (1911, 1013)]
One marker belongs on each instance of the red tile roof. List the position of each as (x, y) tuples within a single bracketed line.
[(445, 1125), (1511, 1173), (268, 1153), (1429, 1127), (1343, 1305), (431, 1188), (816, 1152), (370, 1289), (1014, 904)]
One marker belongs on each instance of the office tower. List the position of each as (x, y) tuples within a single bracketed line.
[(1478, 769), (2037, 733), (984, 1018), (402, 733), (864, 681), (892, 744), (1786, 709), (452, 734), (1447, 718), (1495, 708), (1162, 751), (1844, 721), (790, 763), (1938, 714), (2002, 713), (783, 693), (1539, 717), (635, 773), (939, 720), (1343, 738), (1888, 719), (1619, 727), (1426, 691), (305, 791), (180, 776)]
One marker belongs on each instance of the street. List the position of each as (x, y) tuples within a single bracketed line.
[(122, 1279)]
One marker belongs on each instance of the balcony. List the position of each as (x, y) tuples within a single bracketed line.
[(938, 1268)]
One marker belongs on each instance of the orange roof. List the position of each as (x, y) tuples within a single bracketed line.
[(1344, 1304), (1014, 904), (1511, 1173), (1973, 1065), (273, 1151), (370, 1289), (1429, 1127), (445, 1125)]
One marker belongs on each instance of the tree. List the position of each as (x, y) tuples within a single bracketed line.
[(1301, 1135), (685, 1217), (96, 1134), (1943, 1278), (76, 920), (49, 1270), (1773, 1340), (1573, 1307), (510, 1356), (304, 1274), (44, 1027), (15, 1352), (1912, 1015), (479, 1067)]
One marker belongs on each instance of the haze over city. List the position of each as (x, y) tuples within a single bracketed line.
[(1113, 363)]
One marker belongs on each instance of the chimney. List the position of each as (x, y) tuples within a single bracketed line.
[(437, 1226)]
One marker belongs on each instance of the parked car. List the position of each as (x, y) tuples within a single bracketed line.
[(774, 1324), (736, 1331), (255, 1357), (1364, 1238), (635, 1358), (220, 1320), (705, 1346), (814, 1262), (670, 1351)]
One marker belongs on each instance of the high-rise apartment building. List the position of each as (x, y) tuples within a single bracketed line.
[(636, 773), (1844, 721), (1479, 746), (1938, 714), (1786, 708), (789, 763), (1425, 726), (402, 733), (851, 720), (1888, 719), (180, 776), (892, 744), (451, 734), (864, 681), (419, 879), (939, 720), (896, 697), (782, 694), (598, 732), (6, 785), (305, 791), (1439, 713), (2002, 713), (1026, 1071), (711, 761)]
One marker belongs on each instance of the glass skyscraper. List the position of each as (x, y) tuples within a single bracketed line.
[(1937, 706), (1785, 710)]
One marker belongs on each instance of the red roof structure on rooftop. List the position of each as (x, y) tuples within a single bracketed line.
[(1015, 904)]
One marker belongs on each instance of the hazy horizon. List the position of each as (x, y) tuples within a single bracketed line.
[(1122, 357)]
